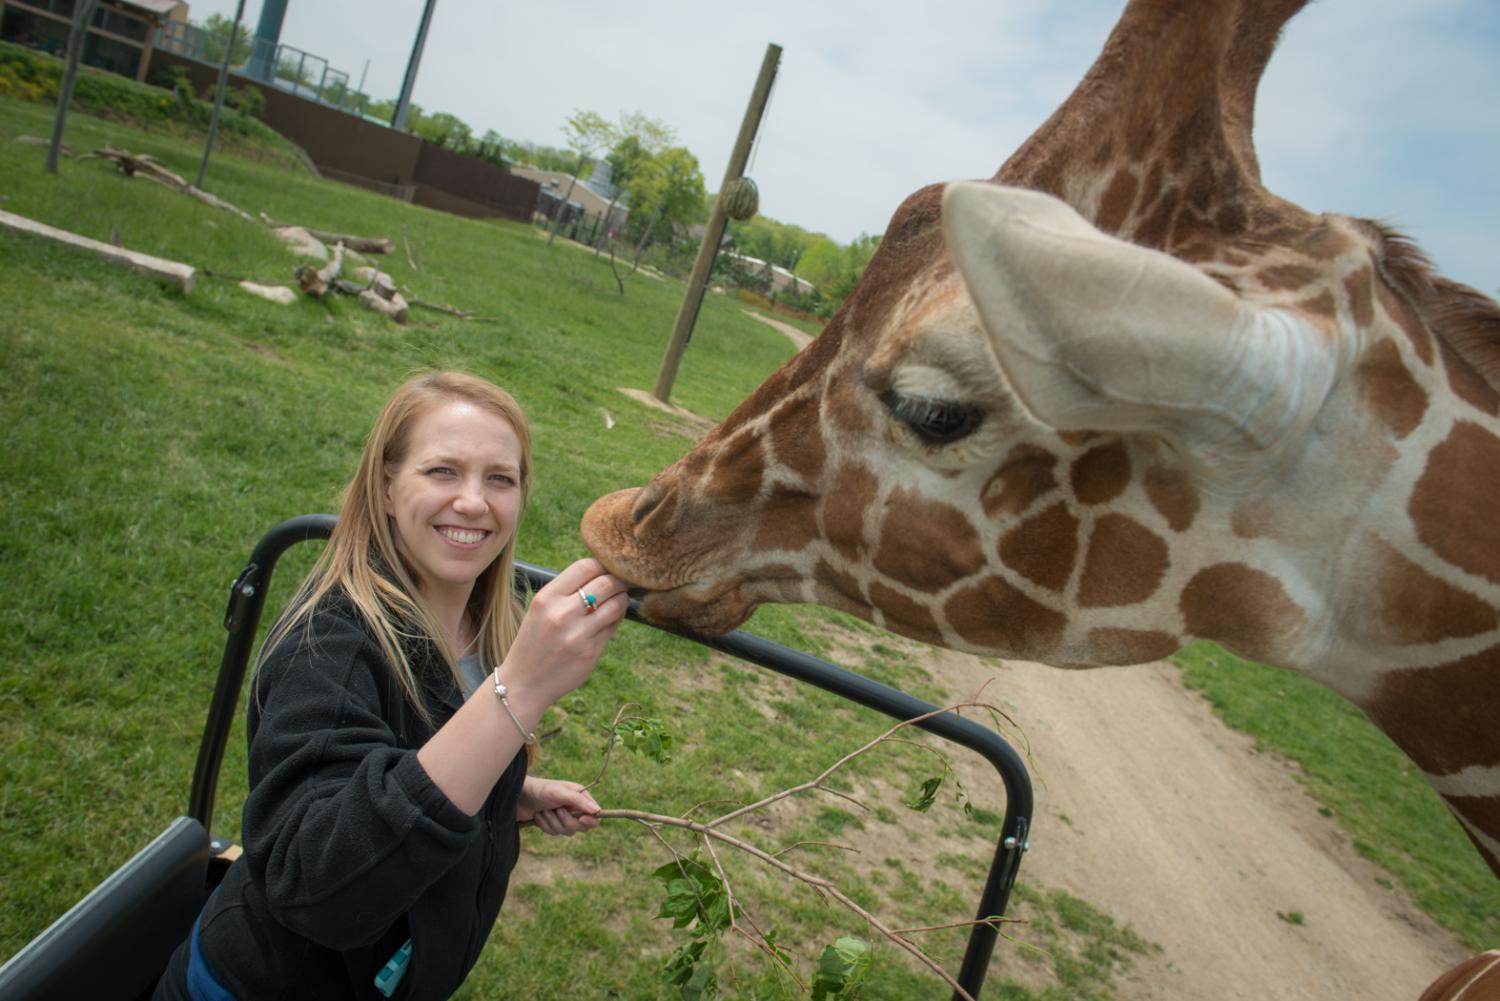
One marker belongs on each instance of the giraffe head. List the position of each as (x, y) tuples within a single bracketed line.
[(1118, 397)]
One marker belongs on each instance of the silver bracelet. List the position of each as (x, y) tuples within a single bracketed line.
[(505, 704)]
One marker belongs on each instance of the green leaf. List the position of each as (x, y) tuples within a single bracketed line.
[(646, 736), (694, 893), (923, 798), (703, 985), (840, 969), (680, 966), (770, 939)]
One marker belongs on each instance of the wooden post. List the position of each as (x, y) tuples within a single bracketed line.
[(77, 35), (687, 313)]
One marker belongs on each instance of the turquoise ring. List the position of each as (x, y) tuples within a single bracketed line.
[(589, 601)]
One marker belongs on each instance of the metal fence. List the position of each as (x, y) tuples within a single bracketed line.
[(282, 66)]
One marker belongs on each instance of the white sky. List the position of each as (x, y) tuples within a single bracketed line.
[(1381, 108)]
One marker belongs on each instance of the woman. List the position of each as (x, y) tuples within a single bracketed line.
[(390, 707)]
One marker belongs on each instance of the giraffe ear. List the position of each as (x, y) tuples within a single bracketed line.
[(1094, 333)]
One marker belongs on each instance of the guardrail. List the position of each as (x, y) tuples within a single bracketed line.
[(247, 596)]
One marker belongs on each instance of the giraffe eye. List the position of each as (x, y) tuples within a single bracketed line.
[(936, 422)]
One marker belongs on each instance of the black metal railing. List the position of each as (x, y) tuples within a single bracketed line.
[(247, 596)]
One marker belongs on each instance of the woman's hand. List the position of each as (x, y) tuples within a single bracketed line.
[(562, 637), (557, 807)]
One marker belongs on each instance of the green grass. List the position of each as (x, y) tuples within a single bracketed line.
[(1361, 778), (148, 438)]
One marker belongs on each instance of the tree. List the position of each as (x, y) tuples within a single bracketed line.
[(585, 131), (217, 29), (835, 270), (668, 192), (441, 129)]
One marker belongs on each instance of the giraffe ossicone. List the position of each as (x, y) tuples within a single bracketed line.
[(1120, 397), (1095, 333)]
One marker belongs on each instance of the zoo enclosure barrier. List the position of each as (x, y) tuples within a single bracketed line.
[(247, 596)]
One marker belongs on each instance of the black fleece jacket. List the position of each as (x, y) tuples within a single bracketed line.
[(349, 848)]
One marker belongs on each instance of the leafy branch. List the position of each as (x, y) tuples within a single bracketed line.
[(700, 896)]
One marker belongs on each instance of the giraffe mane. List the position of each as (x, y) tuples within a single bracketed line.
[(1464, 318)]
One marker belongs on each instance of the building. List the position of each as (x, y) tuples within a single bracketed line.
[(590, 198), (781, 278), (119, 40)]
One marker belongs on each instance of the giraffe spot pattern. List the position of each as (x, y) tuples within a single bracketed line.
[(852, 492), (835, 588), (787, 522), (1153, 228), (1252, 519), (1101, 474), (1416, 607), (1395, 398), (1453, 502), (926, 544), (739, 467), (1323, 243), (1245, 609), (1042, 548), (797, 439), (1172, 494), (1026, 474), (1286, 277), (1406, 319), (904, 615), (1118, 198), (1231, 220), (994, 615), (1320, 305), (1464, 694), (1484, 813), (1467, 384), (1361, 306), (1130, 646), (1125, 563)]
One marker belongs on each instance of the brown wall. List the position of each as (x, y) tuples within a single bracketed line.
[(349, 145)]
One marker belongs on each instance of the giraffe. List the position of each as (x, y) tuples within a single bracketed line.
[(1120, 397)]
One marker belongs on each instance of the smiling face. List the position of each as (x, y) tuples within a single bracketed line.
[(455, 496)]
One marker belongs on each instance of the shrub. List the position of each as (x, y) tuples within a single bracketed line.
[(172, 107)]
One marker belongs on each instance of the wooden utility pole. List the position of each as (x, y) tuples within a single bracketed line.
[(77, 36), (687, 313)]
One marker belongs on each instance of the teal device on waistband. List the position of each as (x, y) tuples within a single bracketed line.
[(391, 973)]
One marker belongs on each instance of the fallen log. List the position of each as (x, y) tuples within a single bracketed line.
[(279, 294), (29, 140), (394, 307), (377, 280), (131, 164), (181, 276), (300, 241), (316, 281), (363, 244)]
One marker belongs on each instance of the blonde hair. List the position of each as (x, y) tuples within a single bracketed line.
[(362, 560)]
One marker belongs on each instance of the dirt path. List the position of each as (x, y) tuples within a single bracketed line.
[(798, 338), (1153, 810)]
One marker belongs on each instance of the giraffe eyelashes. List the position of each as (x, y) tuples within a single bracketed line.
[(935, 422)]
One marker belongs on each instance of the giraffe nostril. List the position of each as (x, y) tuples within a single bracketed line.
[(647, 502)]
